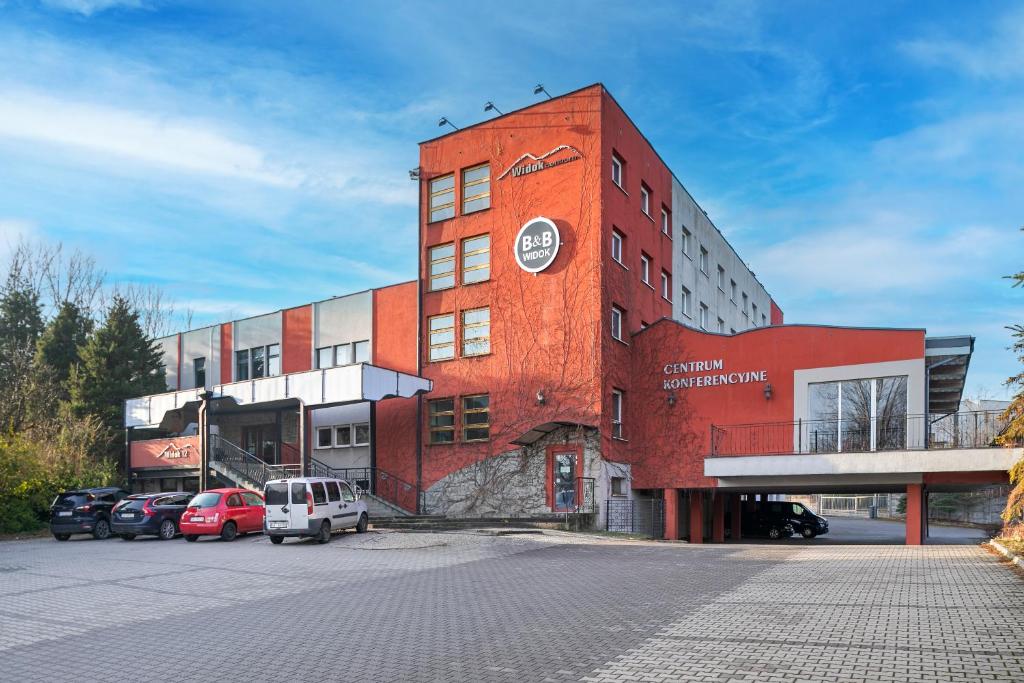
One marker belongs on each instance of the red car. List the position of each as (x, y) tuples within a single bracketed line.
[(222, 512)]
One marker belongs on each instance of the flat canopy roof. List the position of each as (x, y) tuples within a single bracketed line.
[(329, 386), (947, 359)]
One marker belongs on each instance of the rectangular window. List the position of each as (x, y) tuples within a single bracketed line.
[(666, 285), (857, 415), (732, 291), (618, 486), (703, 316), (764, 320), (343, 354), (687, 303), (241, 365), (442, 266), (704, 260), (442, 337), (476, 332), (476, 188), (721, 278), (686, 243), (745, 300), (199, 372), (617, 406), (442, 198), (342, 436), (258, 359), (442, 420), (721, 325), (666, 222), (362, 349), (645, 269), (323, 437), (361, 434), (324, 357), (617, 240), (476, 259), (618, 171), (273, 360), (617, 316), (753, 313), (645, 199), (476, 419)]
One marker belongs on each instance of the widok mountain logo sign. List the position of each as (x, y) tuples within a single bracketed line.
[(536, 245), (541, 162)]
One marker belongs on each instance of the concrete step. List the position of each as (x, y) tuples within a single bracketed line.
[(440, 523)]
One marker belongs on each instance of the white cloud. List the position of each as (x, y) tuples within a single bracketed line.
[(89, 7), (999, 57), (12, 231)]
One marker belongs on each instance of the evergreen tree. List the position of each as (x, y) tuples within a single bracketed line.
[(1014, 433), (21, 314), (118, 362), (59, 344)]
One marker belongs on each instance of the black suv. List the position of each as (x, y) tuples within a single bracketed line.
[(149, 514), (84, 512), (778, 519)]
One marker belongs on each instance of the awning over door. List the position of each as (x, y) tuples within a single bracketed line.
[(329, 386)]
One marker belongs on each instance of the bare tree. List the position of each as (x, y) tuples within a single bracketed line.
[(156, 312), (56, 276)]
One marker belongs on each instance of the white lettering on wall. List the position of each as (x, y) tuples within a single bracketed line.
[(708, 380)]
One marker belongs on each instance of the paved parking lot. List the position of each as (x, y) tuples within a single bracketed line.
[(389, 606)]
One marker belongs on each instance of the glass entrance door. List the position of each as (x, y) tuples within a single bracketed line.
[(564, 480)]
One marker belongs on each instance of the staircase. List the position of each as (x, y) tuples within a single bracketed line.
[(386, 495), (244, 469)]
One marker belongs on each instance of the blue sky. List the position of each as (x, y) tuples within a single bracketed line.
[(865, 160)]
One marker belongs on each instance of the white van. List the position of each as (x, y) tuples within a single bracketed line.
[(311, 507)]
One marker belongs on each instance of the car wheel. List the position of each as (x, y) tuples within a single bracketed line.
[(277, 540), (101, 531), (808, 532), (775, 533), (363, 523), (128, 537), (229, 531), (325, 533), (191, 538), (62, 537), (167, 530)]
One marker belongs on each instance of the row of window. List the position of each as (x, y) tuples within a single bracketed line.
[(619, 178), (476, 334), (343, 354), (343, 436), (475, 419), (259, 361), (750, 312), (476, 263), (618, 247), (476, 192)]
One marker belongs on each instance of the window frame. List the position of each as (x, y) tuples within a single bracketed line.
[(705, 315), (618, 239), (475, 411), (475, 252), (666, 285), (337, 443), (430, 334), (687, 302), (431, 277), (666, 221), (471, 326), (198, 366), (645, 199), (618, 401), (687, 240), (273, 353), (619, 164), (721, 278), (431, 194), (446, 429), (645, 269), (618, 318), (238, 365), (330, 438), (705, 258), (466, 197)]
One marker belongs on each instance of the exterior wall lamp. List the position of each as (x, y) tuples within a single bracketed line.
[(671, 398), (541, 398), (767, 391)]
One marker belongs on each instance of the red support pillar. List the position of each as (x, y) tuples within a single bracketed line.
[(671, 514), (737, 517), (916, 514), (696, 516), (718, 517)]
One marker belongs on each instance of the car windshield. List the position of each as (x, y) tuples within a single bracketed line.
[(205, 500), (277, 493)]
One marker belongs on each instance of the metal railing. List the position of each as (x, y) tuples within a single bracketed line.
[(372, 480), (576, 495), (977, 429), (246, 465), (635, 516)]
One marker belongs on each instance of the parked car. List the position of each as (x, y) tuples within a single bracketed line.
[(312, 507), (149, 514), (222, 512), (86, 511), (782, 519)]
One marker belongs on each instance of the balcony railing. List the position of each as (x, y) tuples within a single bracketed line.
[(860, 435)]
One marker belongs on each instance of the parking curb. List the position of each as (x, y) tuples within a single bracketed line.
[(1009, 554)]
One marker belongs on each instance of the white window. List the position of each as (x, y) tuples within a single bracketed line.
[(476, 188), (617, 406), (645, 200), (617, 317), (617, 171), (324, 438), (721, 325), (703, 316), (617, 240), (476, 332), (442, 198), (476, 259), (732, 291), (687, 303), (342, 436), (753, 309), (618, 486), (666, 222), (343, 354), (361, 434), (704, 260), (324, 357), (442, 337), (666, 285), (686, 243), (645, 269), (442, 267), (721, 278), (362, 349), (745, 299)]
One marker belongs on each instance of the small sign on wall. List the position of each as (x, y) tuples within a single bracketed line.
[(537, 244)]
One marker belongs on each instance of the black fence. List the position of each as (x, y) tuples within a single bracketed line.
[(639, 516)]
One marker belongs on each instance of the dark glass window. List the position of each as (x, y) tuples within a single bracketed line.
[(199, 372), (333, 494), (276, 494), (298, 493), (259, 367), (241, 365), (319, 494)]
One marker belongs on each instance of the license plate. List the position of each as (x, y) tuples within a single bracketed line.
[(64, 514), (278, 525), (128, 515), (197, 519)]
